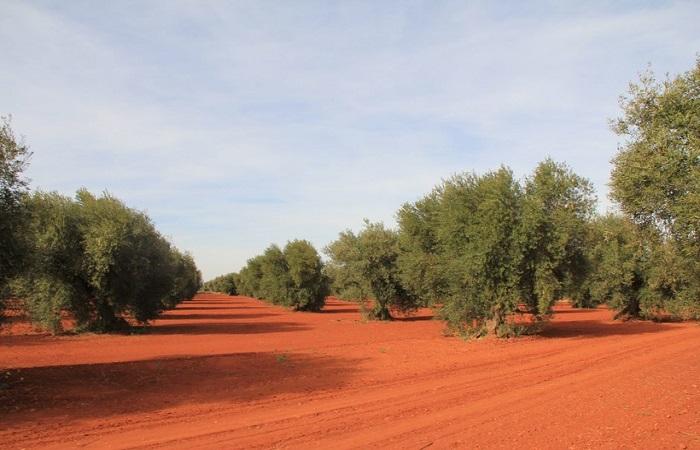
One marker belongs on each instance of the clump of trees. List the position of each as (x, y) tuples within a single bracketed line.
[(99, 260), (293, 277), (93, 257), (486, 247), (225, 284), (478, 245)]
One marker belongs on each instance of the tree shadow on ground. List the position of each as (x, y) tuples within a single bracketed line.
[(210, 303), (412, 318), (91, 391), (198, 328), (210, 308), (579, 311), (24, 340), (214, 316), (597, 328), (340, 310)]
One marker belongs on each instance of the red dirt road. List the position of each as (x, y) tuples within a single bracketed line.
[(233, 372)]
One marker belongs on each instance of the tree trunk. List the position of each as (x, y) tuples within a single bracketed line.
[(381, 312), (495, 323), (106, 319)]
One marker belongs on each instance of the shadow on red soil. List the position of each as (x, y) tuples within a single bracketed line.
[(413, 318), (101, 390), (225, 372), (340, 310), (226, 328), (213, 316), (210, 308), (599, 329)]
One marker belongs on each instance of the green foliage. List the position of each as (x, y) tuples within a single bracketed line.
[(187, 281), (618, 261), (101, 261), (226, 284), (479, 217), (419, 263), (54, 278), (656, 177), (345, 269), (250, 277), (482, 244), (557, 206), (656, 180), (14, 156), (295, 278), (672, 283), (366, 264), (275, 281), (127, 262), (309, 286)]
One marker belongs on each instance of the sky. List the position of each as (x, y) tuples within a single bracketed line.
[(234, 125)]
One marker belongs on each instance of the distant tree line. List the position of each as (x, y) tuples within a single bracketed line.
[(225, 284), (93, 257)]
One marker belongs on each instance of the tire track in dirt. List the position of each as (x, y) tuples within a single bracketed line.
[(480, 393), (410, 387)]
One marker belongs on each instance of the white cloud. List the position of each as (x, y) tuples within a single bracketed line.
[(235, 125)]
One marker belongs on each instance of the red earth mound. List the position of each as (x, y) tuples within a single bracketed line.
[(234, 372)]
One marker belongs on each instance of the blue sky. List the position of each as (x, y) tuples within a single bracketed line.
[(238, 124)]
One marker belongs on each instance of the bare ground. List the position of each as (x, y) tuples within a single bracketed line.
[(234, 372)]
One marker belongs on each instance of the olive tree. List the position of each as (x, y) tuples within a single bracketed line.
[(54, 278), (187, 279), (309, 286), (419, 261), (345, 268), (656, 180), (275, 281), (366, 264), (618, 265), (101, 261), (250, 276), (127, 262), (14, 157), (557, 206), (479, 217)]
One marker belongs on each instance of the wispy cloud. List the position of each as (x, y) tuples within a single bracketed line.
[(238, 124)]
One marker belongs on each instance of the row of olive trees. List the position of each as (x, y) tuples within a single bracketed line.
[(92, 257), (479, 245), (293, 277), (484, 247), (225, 284), (99, 260)]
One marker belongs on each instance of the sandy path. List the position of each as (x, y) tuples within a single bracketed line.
[(233, 372)]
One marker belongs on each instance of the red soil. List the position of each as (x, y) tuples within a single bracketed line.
[(233, 372)]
